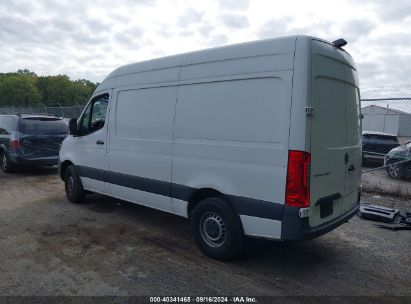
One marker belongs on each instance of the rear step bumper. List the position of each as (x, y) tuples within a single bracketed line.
[(295, 228)]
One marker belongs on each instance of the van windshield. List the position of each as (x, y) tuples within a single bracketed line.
[(43, 126)]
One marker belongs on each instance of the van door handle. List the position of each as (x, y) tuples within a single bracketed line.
[(351, 168), (100, 142)]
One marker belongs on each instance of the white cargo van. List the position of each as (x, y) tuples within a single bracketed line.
[(260, 139)]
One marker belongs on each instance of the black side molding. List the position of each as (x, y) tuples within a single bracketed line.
[(242, 205)]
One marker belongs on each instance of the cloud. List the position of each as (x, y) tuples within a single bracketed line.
[(189, 17), (205, 30), (87, 39), (132, 37), (274, 27), (393, 10), (355, 29), (234, 4), (235, 21), (396, 40), (218, 40)]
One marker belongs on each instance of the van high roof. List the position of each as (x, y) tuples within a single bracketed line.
[(280, 45)]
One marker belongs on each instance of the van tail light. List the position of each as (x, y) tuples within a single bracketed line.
[(15, 143), (298, 179)]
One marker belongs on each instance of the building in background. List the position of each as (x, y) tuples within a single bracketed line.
[(387, 120)]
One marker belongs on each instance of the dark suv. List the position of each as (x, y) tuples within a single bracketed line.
[(398, 162), (375, 145), (30, 140)]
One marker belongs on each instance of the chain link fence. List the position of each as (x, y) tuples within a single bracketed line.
[(58, 111), (386, 125), (386, 144), (386, 141)]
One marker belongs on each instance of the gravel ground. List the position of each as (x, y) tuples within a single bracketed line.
[(379, 181), (108, 247)]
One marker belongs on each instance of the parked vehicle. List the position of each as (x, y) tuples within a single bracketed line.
[(259, 139), (398, 162), (375, 145), (30, 140)]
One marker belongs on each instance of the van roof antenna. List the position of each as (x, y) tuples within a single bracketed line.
[(340, 43)]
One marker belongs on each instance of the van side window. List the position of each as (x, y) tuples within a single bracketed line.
[(94, 116)]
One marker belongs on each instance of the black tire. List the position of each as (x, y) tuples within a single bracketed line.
[(216, 229), (73, 186), (395, 171), (6, 165)]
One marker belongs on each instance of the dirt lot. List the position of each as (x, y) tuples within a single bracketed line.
[(379, 181), (107, 247)]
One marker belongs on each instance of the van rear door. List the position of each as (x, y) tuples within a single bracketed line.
[(335, 134), (354, 145)]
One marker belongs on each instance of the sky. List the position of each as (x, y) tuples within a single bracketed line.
[(88, 39)]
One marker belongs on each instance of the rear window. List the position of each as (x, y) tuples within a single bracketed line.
[(381, 137), (43, 126)]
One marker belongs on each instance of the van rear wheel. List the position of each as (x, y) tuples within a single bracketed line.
[(216, 229), (72, 183)]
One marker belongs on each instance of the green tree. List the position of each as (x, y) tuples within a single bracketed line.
[(54, 89), (25, 88), (19, 90)]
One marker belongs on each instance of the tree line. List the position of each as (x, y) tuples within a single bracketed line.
[(25, 88)]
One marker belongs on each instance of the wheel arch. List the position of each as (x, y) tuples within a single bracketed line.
[(203, 193), (63, 167)]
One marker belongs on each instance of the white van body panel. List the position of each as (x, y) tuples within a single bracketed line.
[(299, 137), (68, 150), (141, 140), (220, 120), (228, 146)]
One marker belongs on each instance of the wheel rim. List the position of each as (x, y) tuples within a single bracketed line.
[(212, 229), (394, 170), (70, 184)]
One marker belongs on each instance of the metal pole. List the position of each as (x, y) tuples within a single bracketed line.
[(45, 108), (62, 109)]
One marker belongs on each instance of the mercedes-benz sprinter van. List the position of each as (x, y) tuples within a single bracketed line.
[(260, 139)]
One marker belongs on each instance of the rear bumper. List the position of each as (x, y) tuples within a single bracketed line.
[(295, 228), (34, 161)]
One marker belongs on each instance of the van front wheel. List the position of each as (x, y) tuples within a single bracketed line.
[(216, 229), (74, 188)]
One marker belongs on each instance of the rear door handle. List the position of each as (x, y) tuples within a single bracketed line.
[(100, 142), (351, 168)]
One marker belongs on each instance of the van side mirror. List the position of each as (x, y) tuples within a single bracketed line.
[(73, 127)]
